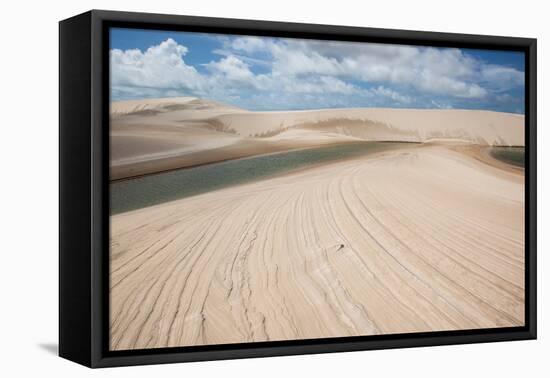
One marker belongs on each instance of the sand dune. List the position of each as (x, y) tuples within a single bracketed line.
[(415, 125), (419, 239), (153, 135), (152, 106)]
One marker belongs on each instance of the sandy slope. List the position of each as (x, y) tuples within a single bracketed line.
[(410, 240), (415, 125), (153, 135)]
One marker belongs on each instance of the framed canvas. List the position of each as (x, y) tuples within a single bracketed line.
[(235, 188)]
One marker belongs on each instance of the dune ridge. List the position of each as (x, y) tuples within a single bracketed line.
[(417, 125), (153, 135), (158, 105)]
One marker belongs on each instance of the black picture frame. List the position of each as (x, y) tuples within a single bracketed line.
[(84, 191)]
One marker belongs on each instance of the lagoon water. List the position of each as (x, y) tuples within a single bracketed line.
[(154, 189), (510, 155)]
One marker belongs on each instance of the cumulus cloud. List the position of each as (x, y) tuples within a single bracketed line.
[(431, 70), (439, 71), (501, 77), (257, 68), (319, 84), (160, 67), (232, 68), (386, 92), (248, 44)]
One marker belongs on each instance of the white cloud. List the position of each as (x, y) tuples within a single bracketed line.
[(161, 70), (320, 85), (303, 62), (430, 70), (502, 78), (429, 82), (440, 105), (231, 68), (302, 73), (248, 44), (393, 95), (161, 67)]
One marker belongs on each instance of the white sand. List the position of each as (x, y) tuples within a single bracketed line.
[(419, 239), (415, 125), (154, 135)]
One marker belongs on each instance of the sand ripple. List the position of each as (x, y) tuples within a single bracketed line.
[(412, 240)]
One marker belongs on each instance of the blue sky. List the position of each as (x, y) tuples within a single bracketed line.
[(260, 73)]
